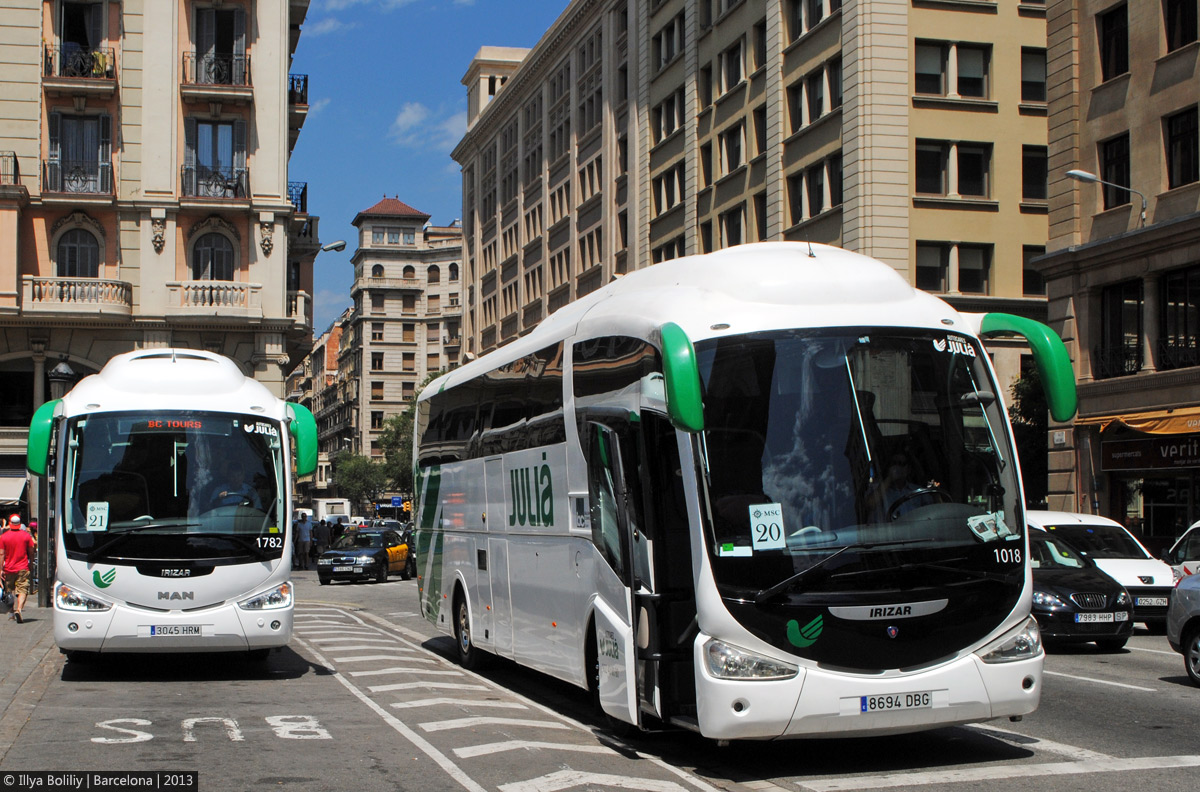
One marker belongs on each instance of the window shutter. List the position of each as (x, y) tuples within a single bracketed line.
[(239, 158), (105, 154), (239, 48), (206, 42), (189, 156), (95, 15), (54, 163)]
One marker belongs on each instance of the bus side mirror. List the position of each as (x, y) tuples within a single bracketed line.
[(41, 428), (681, 377), (303, 427), (1050, 355)]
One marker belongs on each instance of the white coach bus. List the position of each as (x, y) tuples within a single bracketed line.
[(765, 492), (173, 488)]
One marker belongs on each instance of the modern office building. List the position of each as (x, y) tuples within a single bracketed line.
[(913, 131), (1123, 269), (145, 198)]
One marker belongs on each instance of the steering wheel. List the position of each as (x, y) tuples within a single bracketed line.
[(894, 510)]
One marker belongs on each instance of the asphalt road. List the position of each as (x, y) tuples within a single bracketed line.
[(366, 698)]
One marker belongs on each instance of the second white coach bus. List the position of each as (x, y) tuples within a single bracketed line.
[(173, 473), (766, 492)]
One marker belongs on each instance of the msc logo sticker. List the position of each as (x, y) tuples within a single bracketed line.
[(806, 636), (105, 580)]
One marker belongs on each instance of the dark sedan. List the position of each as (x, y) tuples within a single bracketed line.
[(366, 555), (1073, 601)]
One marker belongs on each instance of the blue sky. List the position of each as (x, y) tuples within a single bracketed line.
[(387, 106)]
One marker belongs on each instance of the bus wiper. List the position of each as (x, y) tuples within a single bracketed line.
[(972, 574), (768, 594), (244, 541), (121, 534)]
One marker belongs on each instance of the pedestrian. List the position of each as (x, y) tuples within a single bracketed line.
[(303, 540), (321, 536), (15, 545)]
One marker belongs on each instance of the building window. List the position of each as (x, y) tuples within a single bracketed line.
[(78, 255), (974, 268), (1183, 148), (409, 271), (1033, 284), (376, 419), (933, 267), (408, 332), (668, 116), (834, 73), (1120, 350), (1114, 166), (376, 361), (1033, 75), (835, 180), (433, 361), (731, 149), (731, 63), (212, 258), (732, 224), (672, 249), (377, 271), (376, 236), (1179, 333), (1034, 173), (409, 362), (814, 91), (434, 274), (80, 154), (393, 236), (974, 170), (814, 179), (973, 71), (930, 167), (215, 159), (1113, 32), (760, 131), (378, 302), (930, 75), (668, 42), (668, 189), (1180, 22), (376, 391), (221, 46), (377, 331), (454, 272)]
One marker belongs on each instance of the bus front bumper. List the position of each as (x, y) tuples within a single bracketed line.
[(224, 628)]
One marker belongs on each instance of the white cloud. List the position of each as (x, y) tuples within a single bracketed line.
[(328, 306), (326, 25), (416, 126), (318, 106)]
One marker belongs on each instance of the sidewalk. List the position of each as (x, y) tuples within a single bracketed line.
[(29, 662)]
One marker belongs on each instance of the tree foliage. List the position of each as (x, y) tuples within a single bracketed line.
[(1028, 413), (396, 441), (360, 480)]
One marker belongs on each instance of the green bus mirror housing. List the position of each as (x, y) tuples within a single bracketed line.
[(681, 375), (41, 429), (303, 427), (1050, 355)]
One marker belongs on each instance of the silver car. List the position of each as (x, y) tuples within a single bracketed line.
[(1183, 624)]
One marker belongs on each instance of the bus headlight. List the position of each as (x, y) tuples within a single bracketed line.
[(278, 597), (67, 598), (726, 661), (1022, 643)]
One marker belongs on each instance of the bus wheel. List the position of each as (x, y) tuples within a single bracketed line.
[(468, 654)]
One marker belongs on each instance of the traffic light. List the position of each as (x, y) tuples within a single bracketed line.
[(407, 507)]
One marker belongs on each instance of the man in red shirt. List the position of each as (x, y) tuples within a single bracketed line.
[(15, 545)]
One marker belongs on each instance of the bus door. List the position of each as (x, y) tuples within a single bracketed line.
[(624, 633), (492, 612)]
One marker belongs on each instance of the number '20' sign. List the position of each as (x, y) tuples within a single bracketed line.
[(766, 526)]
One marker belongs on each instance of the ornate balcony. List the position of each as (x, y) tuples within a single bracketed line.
[(1121, 361), (214, 298), (88, 177), (10, 171), (76, 296), (298, 196), (216, 78), (201, 181), (71, 70)]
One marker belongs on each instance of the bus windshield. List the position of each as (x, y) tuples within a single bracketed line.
[(864, 459), (185, 485)]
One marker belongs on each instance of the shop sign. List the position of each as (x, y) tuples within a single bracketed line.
[(1152, 453)]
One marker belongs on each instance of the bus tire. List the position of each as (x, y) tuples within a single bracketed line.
[(468, 653)]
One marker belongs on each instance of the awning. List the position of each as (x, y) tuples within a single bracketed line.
[(1181, 420), (11, 488)]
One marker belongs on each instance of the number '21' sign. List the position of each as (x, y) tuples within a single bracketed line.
[(766, 526)]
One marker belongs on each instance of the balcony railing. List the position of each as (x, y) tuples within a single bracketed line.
[(76, 295), (202, 181), (216, 69), (299, 305), (1181, 353), (10, 170), (217, 298), (1121, 361), (77, 176), (298, 195), (76, 62), (298, 89)]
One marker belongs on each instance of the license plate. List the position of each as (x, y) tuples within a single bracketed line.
[(1090, 618), (347, 569), (1151, 602), (176, 629), (896, 701)]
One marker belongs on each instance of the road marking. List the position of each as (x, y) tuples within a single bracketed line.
[(485, 720), (443, 761), (399, 670), (360, 648), (1152, 651), (323, 630), (433, 702), (487, 749), (434, 684), (1025, 741), (362, 658), (352, 638), (403, 614), (996, 773), (568, 779), (1099, 681)]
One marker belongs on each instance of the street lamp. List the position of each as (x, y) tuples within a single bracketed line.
[(1091, 178), (334, 247), (61, 377)]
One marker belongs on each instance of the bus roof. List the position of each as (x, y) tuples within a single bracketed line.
[(737, 290), (191, 379)]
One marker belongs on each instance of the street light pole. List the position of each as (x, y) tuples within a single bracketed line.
[(1091, 178)]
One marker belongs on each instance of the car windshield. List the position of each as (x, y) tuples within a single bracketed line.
[(1046, 552), (885, 446), (1100, 541), (358, 539), (173, 485)]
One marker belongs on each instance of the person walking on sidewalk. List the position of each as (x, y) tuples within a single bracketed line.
[(15, 545)]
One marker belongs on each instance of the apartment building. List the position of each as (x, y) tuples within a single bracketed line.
[(1123, 269), (314, 384), (405, 322), (913, 131), (145, 198)]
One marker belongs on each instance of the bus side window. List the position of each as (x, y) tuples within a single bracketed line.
[(602, 488)]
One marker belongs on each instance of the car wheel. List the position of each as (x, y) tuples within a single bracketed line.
[(324, 581), (406, 572), (381, 575), (1112, 644), (1191, 654), (468, 653)]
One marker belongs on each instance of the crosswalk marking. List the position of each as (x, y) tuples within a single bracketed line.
[(433, 702), (484, 720), (486, 749), (568, 779), (365, 658), (434, 684), (400, 670), (353, 638)]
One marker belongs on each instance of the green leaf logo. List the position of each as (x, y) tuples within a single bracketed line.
[(806, 636), (105, 580)]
